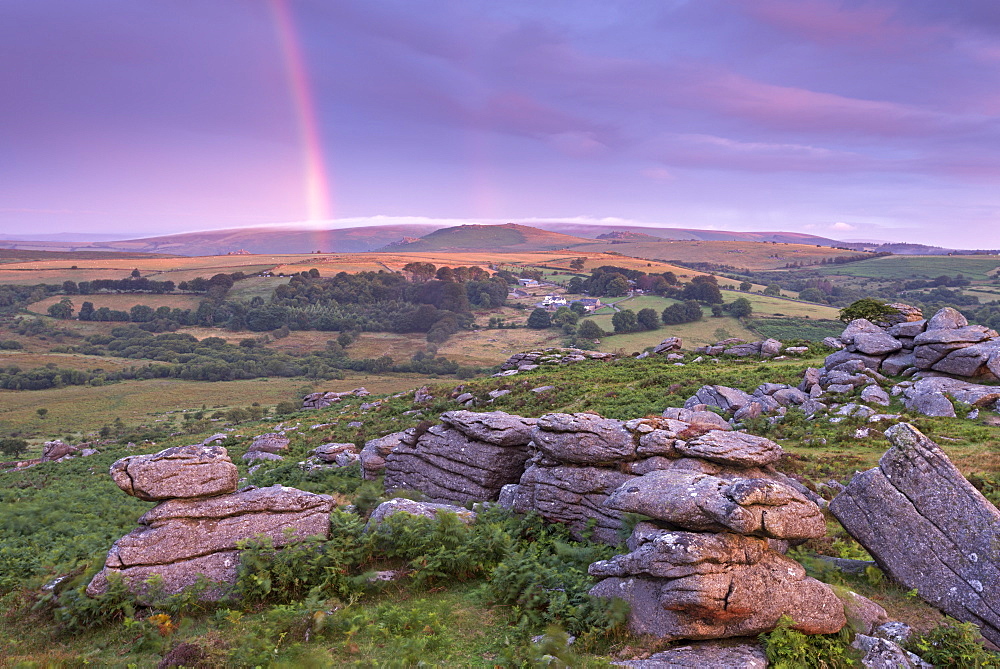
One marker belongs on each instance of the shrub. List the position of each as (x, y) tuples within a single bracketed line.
[(625, 321), (788, 648), (545, 578), (589, 330), (953, 645), (539, 319), (13, 447), (868, 308)]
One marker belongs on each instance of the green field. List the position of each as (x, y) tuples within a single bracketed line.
[(256, 286), (786, 319), (918, 267), (751, 255), (82, 409), (317, 606), (706, 331), (762, 305), (787, 329), (765, 305)]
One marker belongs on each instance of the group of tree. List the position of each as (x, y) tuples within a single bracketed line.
[(626, 320), (611, 281), (943, 281), (425, 271), (438, 302), (565, 317), (182, 356), (131, 284), (682, 312)]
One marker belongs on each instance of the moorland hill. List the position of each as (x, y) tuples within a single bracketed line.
[(510, 237), (359, 239)]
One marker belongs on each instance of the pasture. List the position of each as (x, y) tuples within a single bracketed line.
[(121, 302), (76, 361), (256, 286), (78, 410), (706, 331), (776, 306), (763, 305), (749, 255), (919, 267), (554, 264), (558, 264)]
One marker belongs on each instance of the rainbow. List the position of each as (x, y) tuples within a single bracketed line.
[(317, 190)]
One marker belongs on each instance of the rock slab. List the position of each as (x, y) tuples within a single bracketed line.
[(928, 528), (183, 471), (469, 458), (728, 654)]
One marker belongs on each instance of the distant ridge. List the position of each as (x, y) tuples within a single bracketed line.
[(258, 240), (687, 234), (628, 236), (509, 237), (538, 236), (906, 249)]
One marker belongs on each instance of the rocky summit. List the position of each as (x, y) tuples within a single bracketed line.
[(708, 562)]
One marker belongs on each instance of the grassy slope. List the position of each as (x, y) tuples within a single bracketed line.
[(76, 410), (750, 255), (122, 302), (922, 267), (475, 632), (496, 238)]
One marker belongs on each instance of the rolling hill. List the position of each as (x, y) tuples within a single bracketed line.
[(509, 237), (542, 235), (689, 234), (254, 240), (750, 255)]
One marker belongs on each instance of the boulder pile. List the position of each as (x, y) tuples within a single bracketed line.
[(267, 447), (324, 399), (339, 454), (928, 528), (199, 519), (945, 343), (932, 396), (767, 398), (59, 451), (695, 585), (942, 354), (740, 348), (529, 360), (708, 563)]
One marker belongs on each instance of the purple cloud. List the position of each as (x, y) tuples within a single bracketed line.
[(719, 113)]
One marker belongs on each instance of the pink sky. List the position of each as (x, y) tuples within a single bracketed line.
[(850, 119)]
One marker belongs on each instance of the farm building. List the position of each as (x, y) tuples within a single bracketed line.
[(589, 303)]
